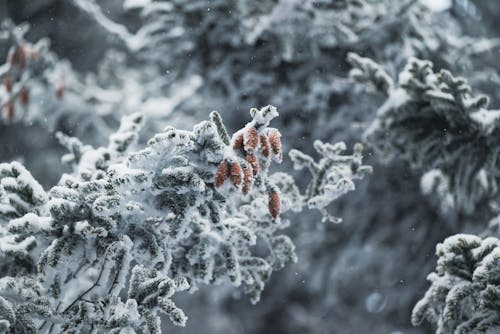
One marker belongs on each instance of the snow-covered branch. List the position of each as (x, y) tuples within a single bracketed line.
[(187, 210), (432, 121), (465, 292)]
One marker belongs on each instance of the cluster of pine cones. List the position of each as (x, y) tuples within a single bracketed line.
[(257, 147), (19, 57)]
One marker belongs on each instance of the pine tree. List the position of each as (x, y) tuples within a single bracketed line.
[(185, 211), (431, 121), (292, 54), (465, 291)]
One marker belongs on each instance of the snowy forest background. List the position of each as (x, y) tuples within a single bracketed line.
[(410, 86)]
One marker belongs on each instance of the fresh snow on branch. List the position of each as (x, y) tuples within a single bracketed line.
[(189, 209), (465, 290), (432, 121)]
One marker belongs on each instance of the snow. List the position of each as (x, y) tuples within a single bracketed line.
[(132, 4), (161, 107), (488, 120), (263, 116), (37, 224), (437, 5), (429, 180), (179, 60), (10, 244), (397, 97), (23, 179)]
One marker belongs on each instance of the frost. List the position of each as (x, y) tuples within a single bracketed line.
[(333, 175), (434, 181), (180, 59), (487, 119), (464, 290), (185, 211), (421, 122)]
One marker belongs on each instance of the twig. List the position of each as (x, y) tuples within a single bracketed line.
[(93, 285)]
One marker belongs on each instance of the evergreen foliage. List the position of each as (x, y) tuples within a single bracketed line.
[(155, 220), (464, 295), (432, 121), (135, 221)]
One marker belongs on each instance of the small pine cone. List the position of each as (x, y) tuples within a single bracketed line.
[(264, 145), (24, 95), (10, 111), (251, 140), (235, 173), (275, 140), (221, 173), (252, 160), (18, 57), (274, 204), (60, 91), (8, 83), (238, 141), (247, 179)]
